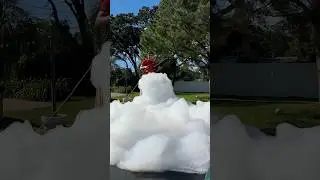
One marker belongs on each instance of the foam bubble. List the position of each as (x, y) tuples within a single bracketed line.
[(160, 132)]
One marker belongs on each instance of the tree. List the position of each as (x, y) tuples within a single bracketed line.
[(247, 18), (35, 49), (188, 74), (275, 42), (125, 35), (11, 17), (301, 16), (180, 29), (294, 34), (77, 7)]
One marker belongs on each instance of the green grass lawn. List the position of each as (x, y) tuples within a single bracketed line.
[(262, 114), (71, 108), (258, 114), (191, 97), (75, 105)]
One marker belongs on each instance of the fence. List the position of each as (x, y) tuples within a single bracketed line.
[(265, 79), (192, 86)]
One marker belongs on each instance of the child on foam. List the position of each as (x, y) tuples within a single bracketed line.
[(148, 65)]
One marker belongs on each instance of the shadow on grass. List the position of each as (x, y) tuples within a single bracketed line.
[(268, 115), (240, 103), (302, 119), (263, 98), (169, 176), (229, 103), (304, 114), (119, 174)]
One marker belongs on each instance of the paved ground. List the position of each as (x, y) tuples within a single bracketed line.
[(118, 174)]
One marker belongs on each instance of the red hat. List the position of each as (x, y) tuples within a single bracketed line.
[(105, 6), (148, 65)]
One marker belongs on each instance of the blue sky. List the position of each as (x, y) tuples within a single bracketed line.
[(126, 6)]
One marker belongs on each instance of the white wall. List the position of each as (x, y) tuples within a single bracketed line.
[(265, 79), (192, 86)]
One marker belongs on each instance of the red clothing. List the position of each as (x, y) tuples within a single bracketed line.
[(105, 6), (148, 65)]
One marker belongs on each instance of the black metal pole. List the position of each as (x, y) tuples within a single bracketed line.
[(53, 78)]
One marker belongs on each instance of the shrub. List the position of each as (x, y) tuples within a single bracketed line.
[(121, 89), (34, 90), (37, 89), (12, 86)]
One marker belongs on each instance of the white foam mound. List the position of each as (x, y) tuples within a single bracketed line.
[(155, 88), (148, 134), (291, 155), (158, 131), (79, 152)]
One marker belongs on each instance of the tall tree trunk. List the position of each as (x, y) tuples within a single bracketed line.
[(78, 9), (135, 66), (56, 18), (87, 40)]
